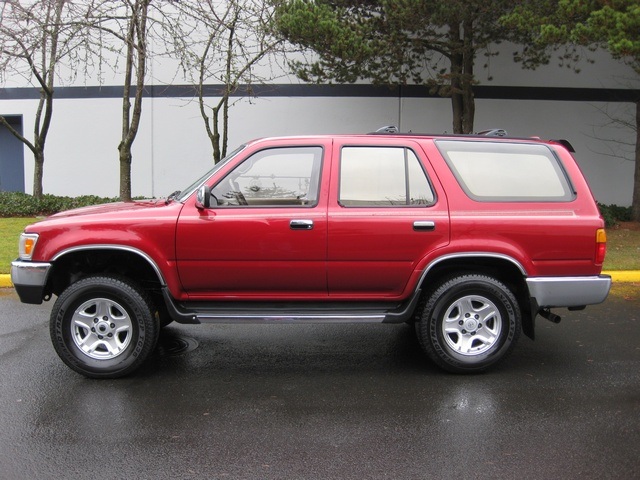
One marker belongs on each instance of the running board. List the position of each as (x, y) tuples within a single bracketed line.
[(200, 312)]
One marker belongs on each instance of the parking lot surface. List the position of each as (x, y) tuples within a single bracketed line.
[(325, 402)]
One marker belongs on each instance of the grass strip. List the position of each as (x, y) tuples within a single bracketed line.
[(10, 230), (623, 244)]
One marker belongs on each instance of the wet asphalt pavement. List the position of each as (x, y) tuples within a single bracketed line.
[(325, 402)]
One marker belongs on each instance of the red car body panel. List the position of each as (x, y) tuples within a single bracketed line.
[(351, 253)]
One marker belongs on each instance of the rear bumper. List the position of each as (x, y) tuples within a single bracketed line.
[(550, 292), (29, 280)]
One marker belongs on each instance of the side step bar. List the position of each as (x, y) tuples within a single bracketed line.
[(195, 313)]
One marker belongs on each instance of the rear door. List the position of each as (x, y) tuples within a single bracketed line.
[(387, 212)]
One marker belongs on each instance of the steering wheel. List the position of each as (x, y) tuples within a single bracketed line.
[(240, 198)]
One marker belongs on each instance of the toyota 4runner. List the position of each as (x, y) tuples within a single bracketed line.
[(470, 238)]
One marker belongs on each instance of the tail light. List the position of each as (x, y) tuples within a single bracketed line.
[(601, 246)]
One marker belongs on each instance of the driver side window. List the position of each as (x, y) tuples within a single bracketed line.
[(273, 177)]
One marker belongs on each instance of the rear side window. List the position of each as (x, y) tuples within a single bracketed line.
[(382, 177), (504, 172)]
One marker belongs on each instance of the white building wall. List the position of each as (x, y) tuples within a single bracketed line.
[(611, 178), (172, 148)]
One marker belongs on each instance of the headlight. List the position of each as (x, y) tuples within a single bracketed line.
[(27, 245)]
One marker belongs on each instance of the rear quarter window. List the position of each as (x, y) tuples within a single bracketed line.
[(507, 172)]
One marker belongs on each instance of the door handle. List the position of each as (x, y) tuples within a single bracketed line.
[(301, 224), (424, 226)]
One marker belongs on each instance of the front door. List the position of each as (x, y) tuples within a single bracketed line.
[(265, 236)]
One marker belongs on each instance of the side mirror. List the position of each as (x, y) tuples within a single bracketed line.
[(203, 197)]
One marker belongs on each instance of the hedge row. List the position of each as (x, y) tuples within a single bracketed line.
[(15, 204), (613, 214)]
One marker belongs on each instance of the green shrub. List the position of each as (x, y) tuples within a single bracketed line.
[(15, 204), (613, 214)]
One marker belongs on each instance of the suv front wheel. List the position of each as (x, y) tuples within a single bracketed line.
[(469, 322), (104, 326)]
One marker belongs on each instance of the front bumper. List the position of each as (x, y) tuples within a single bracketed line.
[(30, 279), (551, 292)]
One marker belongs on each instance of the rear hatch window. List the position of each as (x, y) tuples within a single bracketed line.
[(507, 172)]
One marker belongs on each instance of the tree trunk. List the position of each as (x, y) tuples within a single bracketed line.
[(124, 147), (38, 171), (225, 126), (635, 205), (468, 99), (125, 173), (462, 97), (40, 134), (136, 48), (457, 102), (215, 135)]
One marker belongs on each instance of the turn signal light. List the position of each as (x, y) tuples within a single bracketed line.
[(27, 245), (601, 246)]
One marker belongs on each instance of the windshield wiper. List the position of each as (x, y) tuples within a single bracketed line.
[(173, 196)]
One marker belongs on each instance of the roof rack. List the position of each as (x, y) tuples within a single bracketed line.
[(388, 129), (493, 132)]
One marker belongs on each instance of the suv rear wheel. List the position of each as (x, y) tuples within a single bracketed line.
[(104, 326), (468, 323)]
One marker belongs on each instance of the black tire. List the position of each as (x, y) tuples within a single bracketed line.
[(104, 326), (469, 323)]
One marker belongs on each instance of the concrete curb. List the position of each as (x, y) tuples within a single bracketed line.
[(5, 281), (618, 276), (624, 276)]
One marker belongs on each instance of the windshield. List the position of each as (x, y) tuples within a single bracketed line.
[(184, 194)]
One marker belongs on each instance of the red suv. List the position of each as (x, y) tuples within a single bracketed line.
[(468, 237)]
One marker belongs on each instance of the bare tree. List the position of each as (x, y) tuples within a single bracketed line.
[(217, 41), (238, 36), (135, 67), (127, 24), (35, 38)]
